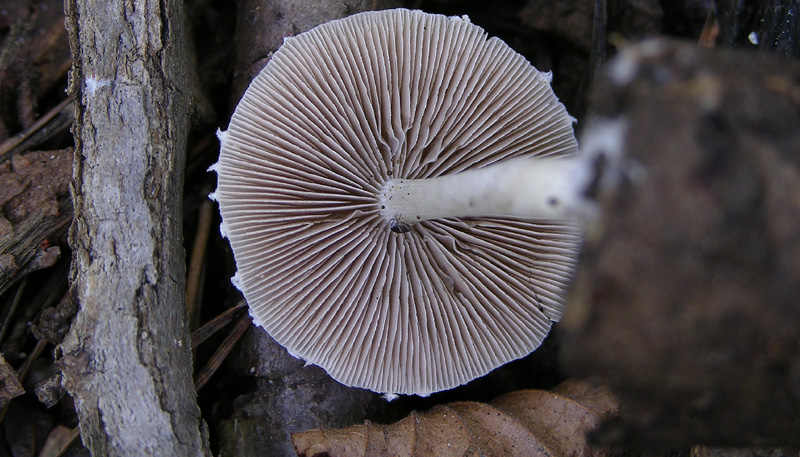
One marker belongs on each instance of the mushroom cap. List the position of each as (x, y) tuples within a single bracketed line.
[(337, 112)]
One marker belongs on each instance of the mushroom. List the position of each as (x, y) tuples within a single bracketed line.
[(399, 191)]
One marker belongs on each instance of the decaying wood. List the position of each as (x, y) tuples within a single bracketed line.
[(686, 297), (50, 390), (127, 360), (34, 208), (34, 58)]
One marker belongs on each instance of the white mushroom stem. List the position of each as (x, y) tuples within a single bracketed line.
[(531, 188)]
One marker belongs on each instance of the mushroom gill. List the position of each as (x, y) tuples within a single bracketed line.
[(338, 114)]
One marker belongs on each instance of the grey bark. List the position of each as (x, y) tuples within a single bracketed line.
[(127, 359)]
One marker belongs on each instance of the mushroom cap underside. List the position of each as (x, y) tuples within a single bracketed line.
[(337, 112)]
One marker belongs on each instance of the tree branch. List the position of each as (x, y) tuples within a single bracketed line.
[(127, 358)]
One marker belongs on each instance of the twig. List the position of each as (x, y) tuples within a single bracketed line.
[(59, 440), (26, 367), (222, 352), (195, 275), (600, 20), (13, 308), (10, 146), (708, 37), (214, 325), (129, 270), (22, 373)]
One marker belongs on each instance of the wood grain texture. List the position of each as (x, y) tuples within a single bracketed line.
[(127, 359), (36, 212)]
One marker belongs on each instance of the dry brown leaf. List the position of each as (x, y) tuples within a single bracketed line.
[(10, 386), (528, 423), (589, 395)]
